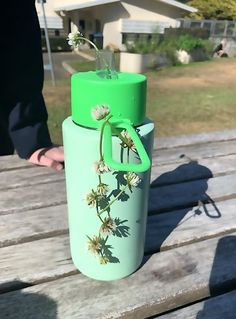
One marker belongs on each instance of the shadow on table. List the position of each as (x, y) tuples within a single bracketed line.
[(26, 305), (174, 191), (222, 280)]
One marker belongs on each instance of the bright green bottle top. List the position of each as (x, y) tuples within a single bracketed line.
[(125, 97)]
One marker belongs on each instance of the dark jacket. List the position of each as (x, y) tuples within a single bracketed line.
[(23, 115)]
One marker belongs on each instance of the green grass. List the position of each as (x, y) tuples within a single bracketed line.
[(196, 98)]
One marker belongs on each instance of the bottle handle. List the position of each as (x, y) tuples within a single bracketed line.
[(145, 162)]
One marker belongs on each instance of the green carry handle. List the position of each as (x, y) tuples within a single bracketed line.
[(145, 162)]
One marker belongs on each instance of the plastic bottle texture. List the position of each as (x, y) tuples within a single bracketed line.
[(124, 248)]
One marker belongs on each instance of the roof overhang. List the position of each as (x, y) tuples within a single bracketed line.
[(179, 5), (81, 5)]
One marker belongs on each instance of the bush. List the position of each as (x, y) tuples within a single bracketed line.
[(195, 32), (148, 44), (168, 48), (56, 44), (195, 42), (189, 43)]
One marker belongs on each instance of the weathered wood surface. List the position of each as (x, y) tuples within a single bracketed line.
[(33, 224), (188, 194), (28, 176), (183, 172), (162, 231), (52, 220), (194, 152), (44, 260), (220, 307), (191, 139), (28, 197), (12, 162), (163, 198), (190, 246), (167, 280), (177, 228)]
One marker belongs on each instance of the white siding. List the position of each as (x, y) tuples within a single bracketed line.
[(52, 22), (144, 26)]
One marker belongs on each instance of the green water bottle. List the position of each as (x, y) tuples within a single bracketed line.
[(107, 166)]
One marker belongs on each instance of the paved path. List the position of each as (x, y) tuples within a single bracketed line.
[(58, 59), (189, 269)]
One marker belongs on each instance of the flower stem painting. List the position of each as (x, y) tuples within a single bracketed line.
[(101, 198)]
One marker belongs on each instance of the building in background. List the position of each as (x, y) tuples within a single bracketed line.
[(54, 20), (115, 21)]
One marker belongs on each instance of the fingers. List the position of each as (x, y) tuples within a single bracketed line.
[(49, 162), (50, 157), (56, 153)]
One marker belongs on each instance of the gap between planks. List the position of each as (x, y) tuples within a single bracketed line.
[(167, 280)]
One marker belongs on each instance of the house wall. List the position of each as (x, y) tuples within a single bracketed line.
[(146, 12), (54, 21), (110, 16), (118, 17), (151, 10)]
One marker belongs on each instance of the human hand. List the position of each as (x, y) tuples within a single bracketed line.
[(50, 156)]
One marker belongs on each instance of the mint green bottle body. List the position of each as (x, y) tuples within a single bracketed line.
[(124, 247)]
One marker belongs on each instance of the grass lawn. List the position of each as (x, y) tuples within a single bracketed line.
[(196, 98)]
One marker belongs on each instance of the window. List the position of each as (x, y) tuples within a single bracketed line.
[(82, 25), (97, 25), (219, 28), (231, 29), (195, 24), (57, 33)]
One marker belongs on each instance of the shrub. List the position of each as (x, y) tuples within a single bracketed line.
[(189, 43), (148, 44), (201, 33)]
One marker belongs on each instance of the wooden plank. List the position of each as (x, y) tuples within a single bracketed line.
[(35, 262), (194, 152), (182, 227), (12, 162), (190, 139), (166, 281), (220, 307), (173, 173), (28, 177), (164, 231), (26, 198), (164, 198), (32, 225), (182, 172), (189, 194)]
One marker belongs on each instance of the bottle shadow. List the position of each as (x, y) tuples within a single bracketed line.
[(20, 304), (174, 191), (222, 280)]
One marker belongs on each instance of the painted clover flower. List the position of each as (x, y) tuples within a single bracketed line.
[(100, 112), (132, 179), (100, 167), (127, 141), (103, 260), (94, 245), (102, 189), (108, 226), (92, 198), (98, 197)]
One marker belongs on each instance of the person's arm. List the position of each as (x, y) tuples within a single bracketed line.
[(21, 89)]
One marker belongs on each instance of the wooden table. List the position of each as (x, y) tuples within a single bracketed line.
[(189, 269)]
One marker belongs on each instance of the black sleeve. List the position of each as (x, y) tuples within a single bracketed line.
[(22, 71)]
